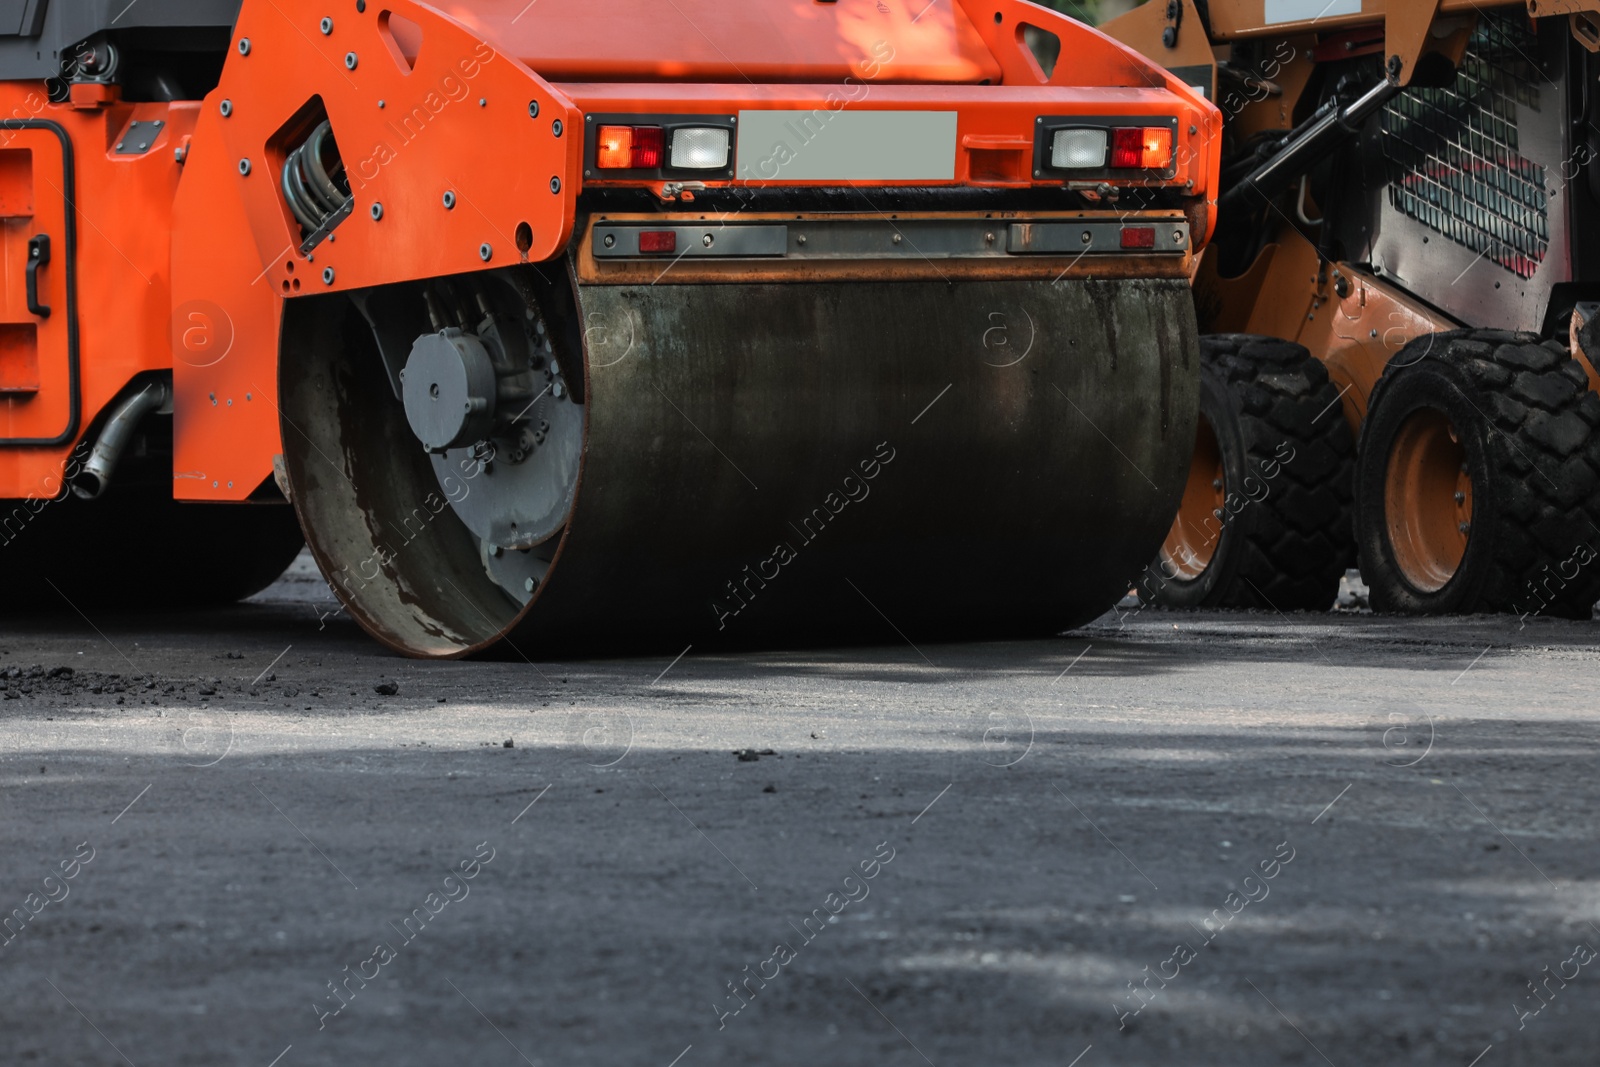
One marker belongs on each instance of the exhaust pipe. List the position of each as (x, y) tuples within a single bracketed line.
[(96, 473)]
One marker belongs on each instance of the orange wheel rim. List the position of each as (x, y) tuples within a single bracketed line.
[(1428, 500), (1191, 544)]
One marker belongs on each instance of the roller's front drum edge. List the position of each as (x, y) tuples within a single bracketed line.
[(816, 463)]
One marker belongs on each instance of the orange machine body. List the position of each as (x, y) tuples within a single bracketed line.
[(462, 130)]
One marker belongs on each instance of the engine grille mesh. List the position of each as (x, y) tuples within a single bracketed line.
[(1452, 158)]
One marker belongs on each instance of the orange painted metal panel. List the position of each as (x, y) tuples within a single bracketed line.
[(717, 41), (458, 117), (123, 205), (460, 121), (224, 333), (37, 176)]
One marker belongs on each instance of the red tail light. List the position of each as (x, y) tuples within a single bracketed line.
[(1141, 147), (629, 147)]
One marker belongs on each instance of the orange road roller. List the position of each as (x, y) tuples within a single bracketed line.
[(575, 326)]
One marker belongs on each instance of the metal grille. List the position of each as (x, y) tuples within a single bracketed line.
[(1451, 154)]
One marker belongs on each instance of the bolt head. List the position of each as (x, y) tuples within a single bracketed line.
[(244, 166), (377, 212), (531, 584), (449, 200), (533, 109), (350, 61), (244, 46), (485, 252), (327, 275), (555, 185), (327, 26), (556, 127), (226, 108)]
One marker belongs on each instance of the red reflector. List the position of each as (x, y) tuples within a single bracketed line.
[(1139, 237), (1127, 147), (629, 147), (667, 240)]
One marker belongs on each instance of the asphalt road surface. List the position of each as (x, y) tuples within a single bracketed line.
[(1176, 839)]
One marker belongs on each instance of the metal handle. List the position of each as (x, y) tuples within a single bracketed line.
[(38, 256)]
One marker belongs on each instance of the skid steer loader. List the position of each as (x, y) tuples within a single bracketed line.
[(1398, 365)]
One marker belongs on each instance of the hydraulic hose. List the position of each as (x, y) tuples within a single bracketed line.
[(96, 473), (1304, 147)]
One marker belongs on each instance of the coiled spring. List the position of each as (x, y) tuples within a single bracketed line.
[(314, 181)]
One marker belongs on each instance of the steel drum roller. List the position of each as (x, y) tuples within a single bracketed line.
[(1026, 443)]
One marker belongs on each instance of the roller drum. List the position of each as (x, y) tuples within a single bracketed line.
[(781, 463)]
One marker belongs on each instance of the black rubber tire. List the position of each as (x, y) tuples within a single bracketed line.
[(1286, 537), (133, 550), (1527, 421)]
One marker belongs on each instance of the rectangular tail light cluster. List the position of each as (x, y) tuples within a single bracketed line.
[(1141, 147), (658, 146), (1084, 148), (629, 148)]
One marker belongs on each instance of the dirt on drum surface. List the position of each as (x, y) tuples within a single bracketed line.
[(252, 837)]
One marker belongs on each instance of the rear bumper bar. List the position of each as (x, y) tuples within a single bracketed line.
[(685, 248)]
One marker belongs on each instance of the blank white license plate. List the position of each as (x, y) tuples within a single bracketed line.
[(847, 145), (1278, 11)]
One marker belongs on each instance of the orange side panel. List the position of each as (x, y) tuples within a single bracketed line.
[(224, 335), (32, 165), (122, 205), (433, 112), (460, 121), (1289, 293)]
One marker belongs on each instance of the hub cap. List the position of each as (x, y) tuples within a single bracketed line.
[(1191, 544), (1428, 500), (449, 390)]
